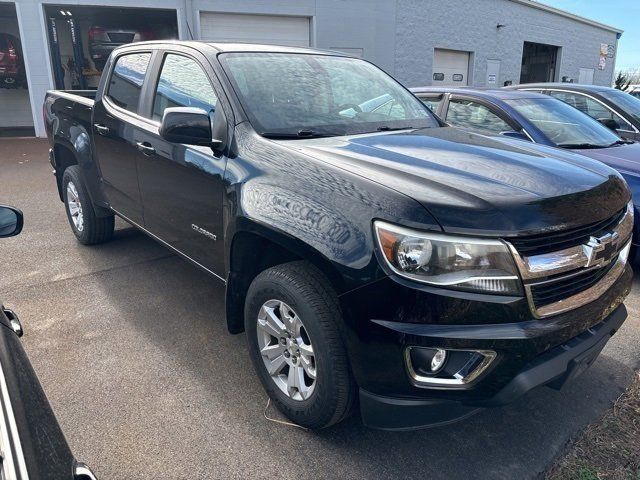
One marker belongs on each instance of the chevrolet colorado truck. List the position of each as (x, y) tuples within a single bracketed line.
[(373, 255)]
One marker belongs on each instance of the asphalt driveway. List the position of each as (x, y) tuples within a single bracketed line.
[(130, 344)]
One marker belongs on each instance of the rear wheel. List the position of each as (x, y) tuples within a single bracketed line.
[(88, 228), (291, 320)]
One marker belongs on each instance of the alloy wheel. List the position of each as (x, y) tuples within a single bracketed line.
[(75, 207), (286, 350)]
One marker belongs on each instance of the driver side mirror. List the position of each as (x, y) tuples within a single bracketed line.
[(517, 135), (194, 126), (11, 221), (610, 123)]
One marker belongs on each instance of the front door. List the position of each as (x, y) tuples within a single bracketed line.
[(182, 185), (115, 123)]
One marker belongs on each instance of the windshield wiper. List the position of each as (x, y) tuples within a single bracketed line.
[(580, 146), (304, 133), (385, 128), (621, 142)]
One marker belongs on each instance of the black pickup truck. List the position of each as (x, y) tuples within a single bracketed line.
[(372, 254)]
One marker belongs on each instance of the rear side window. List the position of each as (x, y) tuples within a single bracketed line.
[(182, 83), (126, 80)]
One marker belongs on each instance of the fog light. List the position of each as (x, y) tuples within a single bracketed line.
[(438, 360), (434, 367)]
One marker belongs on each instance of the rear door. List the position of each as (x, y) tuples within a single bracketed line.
[(115, 126), (182, 185)]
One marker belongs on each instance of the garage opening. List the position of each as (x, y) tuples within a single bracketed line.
[(82, 37), (450, 67), (15, 115), (538, 63), (270, 29)]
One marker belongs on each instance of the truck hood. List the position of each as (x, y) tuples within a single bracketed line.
[(476, 184)]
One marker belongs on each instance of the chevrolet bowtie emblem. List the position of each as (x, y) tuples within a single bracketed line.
[(600, 250)]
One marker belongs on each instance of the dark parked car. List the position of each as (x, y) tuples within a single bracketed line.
[(102, 41), (12, 73), (540, 119), (366, 250), (33, 446), (614, 108)]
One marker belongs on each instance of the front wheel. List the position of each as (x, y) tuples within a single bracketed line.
[(88, 228), (291, 321)]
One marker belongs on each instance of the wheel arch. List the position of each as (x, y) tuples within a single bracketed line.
[(64, 157), (254, 249)]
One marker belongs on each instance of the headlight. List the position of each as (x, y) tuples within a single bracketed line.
[(442, 260)]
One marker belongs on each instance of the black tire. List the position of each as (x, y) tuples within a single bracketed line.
[(94, 229), (306, 290)]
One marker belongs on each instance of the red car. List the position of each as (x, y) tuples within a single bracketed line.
[(12, 73)]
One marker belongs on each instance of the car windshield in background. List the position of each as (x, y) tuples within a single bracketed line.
[(303, 95), (563, 124), (629, 103)]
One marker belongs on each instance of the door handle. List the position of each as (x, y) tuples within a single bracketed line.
[(145, 148), (101, 129)]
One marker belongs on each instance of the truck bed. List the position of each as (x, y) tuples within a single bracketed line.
[(69, 108)]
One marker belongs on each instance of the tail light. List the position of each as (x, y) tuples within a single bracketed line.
[(98, 34)]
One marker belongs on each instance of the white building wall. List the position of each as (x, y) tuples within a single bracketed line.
[(398, 35)]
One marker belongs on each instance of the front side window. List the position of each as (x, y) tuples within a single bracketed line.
[(591, 107), (126, 80), (182, 83), (564, 125), (305, 95), (469, 114)]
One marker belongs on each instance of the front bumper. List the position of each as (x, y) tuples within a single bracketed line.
[(384, 318)]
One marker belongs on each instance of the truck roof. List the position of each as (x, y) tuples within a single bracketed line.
[(239, 47)]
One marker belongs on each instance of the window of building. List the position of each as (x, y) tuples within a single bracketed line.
[(126, 80), (469, 114), (182, 83)]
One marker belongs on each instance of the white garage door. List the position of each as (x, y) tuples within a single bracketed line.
[(270, 29), (450, 67)]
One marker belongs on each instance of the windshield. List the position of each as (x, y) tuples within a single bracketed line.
[(563, 124), (301, 95), (628, 103)]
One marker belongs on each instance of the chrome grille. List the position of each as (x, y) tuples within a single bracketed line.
[(554, 290), (553, 241), (574, 267)]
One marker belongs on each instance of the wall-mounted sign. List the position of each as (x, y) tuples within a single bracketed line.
[(604, 49), (602, 63), (491, 78), (439, 77), (611, 51), (458, 77)]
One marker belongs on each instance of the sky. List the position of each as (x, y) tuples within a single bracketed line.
[(622, 14)]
